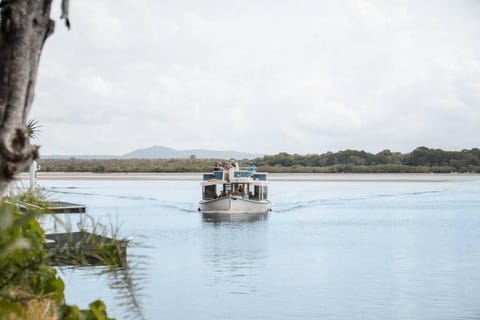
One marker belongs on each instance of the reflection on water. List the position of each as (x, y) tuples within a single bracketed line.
[(218, 218), (234, 254)]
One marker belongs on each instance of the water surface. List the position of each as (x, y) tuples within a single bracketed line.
[(334, 247)]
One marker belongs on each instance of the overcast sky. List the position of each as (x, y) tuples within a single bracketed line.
[(261, 76)]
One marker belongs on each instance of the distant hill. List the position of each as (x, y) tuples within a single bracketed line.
[(160, 152)]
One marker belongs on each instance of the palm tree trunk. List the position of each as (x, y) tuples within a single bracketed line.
[(24, 27)]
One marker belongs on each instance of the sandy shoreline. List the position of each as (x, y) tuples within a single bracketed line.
[(306, 177)]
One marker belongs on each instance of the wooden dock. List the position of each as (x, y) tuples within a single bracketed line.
[(79, 248), (65, 207), (54, 207), (85, 249)]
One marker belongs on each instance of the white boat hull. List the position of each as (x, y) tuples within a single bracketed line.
[(234, 205)]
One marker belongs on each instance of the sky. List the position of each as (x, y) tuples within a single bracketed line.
[(261, 76)]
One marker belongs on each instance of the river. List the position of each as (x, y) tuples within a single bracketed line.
[(340, 246)]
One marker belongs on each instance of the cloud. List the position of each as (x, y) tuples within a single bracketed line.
[(261, 76)]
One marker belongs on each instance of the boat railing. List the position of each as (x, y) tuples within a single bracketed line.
[(243, 174), (217, 174)]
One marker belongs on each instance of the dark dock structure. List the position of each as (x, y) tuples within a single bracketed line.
[(54, 207), (83, 248), (65, 207), (79, 248)]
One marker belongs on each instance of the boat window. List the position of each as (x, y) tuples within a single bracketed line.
[(227, 188), (265, 192), (220, 190), (210, 192)]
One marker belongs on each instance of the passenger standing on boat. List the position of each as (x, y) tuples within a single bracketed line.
[(218, 166), (251, 167), (234, 164)]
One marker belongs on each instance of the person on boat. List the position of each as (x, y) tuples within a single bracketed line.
[(218, 166), (234, 164), (251, 167)]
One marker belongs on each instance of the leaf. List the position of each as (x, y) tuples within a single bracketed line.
[(66, 312)]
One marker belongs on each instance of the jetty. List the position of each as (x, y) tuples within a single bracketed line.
[(80, 248), (53, 207), (83, 248), (65, 207), (75, 248)]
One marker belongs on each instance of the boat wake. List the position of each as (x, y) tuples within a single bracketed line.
[(283, 207), (116, 196), (184, 207)]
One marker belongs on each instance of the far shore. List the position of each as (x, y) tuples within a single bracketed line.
[(273, 177)]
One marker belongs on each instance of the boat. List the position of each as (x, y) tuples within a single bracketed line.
[(231, 191)]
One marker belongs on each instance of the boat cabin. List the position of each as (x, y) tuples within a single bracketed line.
[(233, 182)]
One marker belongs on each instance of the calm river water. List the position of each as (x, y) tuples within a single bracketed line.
[(334, 247)]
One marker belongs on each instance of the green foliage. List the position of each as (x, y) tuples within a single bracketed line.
[(33, 128), (420, 160), (126, 165), (96, 311), (26, 276), (23, 261)]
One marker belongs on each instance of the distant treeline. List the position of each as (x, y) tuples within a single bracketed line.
[(125, 165), (420, 160)]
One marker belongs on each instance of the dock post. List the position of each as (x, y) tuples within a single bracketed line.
[(33, 174)]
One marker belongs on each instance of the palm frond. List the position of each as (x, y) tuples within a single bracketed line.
[(33, 128)]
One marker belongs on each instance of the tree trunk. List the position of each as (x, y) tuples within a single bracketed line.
[(24, 27)]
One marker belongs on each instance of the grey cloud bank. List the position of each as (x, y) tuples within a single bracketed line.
[(261, 76)]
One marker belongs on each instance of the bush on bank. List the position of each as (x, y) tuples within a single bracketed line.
[(420, 160), (29, 287)]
